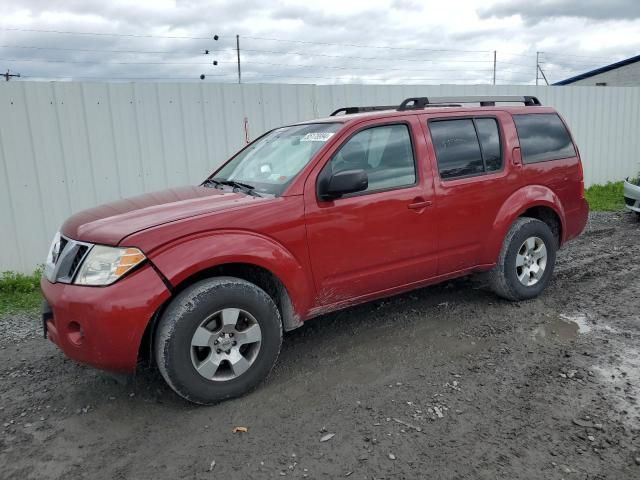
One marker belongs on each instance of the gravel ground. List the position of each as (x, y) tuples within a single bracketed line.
[(444, 382)]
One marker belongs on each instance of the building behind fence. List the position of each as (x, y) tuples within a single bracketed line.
[(66, 146)]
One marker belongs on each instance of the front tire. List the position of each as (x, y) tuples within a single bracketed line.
[(527, 258), (218, 339)]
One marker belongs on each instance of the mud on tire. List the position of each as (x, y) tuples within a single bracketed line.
[(504, 278), (182, 345)]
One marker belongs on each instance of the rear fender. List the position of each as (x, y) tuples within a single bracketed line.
[(189, 256), (519, 202)]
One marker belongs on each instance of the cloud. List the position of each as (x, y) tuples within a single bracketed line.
[(537, 11), (409, 5), (361, 41)]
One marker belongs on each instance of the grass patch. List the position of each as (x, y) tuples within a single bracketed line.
[(19, 292), (605, 198)]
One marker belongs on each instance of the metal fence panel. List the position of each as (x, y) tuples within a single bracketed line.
[(66, 146)]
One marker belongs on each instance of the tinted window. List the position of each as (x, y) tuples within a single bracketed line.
[(457, 148), (543, 137), (490, 141), (385, 153)]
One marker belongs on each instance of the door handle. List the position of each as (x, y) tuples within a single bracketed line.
[(419, 205)]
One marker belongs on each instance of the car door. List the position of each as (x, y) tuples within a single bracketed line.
[(383, 237), (473, 178)]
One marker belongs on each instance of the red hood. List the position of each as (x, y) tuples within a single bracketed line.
[(108, 224)]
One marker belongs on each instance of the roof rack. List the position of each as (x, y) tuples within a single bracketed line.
[(352, 110), (418, 103)]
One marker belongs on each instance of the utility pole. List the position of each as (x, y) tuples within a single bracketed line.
[(494, 66), (543, 75), (238, 51), (537, 66), (8, 75)]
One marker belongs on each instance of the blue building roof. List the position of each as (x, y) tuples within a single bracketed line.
[(606, 68)]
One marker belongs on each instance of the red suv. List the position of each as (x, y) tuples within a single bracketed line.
[(308, 219)]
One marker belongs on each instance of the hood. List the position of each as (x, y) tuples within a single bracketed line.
[(108, 224)]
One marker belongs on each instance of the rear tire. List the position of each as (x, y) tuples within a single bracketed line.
[(525, 264), (218, 339)]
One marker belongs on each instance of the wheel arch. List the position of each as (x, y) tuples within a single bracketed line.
[(536, 201), (245, 255), (255, 274), (549, 216)]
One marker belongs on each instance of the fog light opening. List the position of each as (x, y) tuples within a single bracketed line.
[(75, 333)]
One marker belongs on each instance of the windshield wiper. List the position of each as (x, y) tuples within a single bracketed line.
[(245, 187)]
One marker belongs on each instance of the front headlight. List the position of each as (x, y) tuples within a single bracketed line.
[(104, 265)]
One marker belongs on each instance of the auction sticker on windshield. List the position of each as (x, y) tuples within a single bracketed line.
[(317, 137)]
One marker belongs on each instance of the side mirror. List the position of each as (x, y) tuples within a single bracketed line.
[(341, 183)]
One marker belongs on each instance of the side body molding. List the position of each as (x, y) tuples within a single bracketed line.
[(181, 259), (519, 202)]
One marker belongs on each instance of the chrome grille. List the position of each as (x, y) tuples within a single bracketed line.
[(70, 257), (63, 243)]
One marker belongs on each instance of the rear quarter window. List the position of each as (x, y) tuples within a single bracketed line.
[(543, 137)]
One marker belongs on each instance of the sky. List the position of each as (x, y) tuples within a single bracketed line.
[(327, 42)]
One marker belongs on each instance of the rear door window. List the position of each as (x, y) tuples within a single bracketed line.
[(543, 137), (490, 142), (466, 147)]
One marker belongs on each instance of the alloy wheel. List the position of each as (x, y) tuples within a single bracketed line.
[(225, 344)]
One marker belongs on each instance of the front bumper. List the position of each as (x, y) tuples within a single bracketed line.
[(103, 326), (632, 197)]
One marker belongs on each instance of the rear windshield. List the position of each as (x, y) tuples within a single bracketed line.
[(543, 137)]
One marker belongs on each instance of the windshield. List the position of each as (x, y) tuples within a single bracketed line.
[(270, 163)]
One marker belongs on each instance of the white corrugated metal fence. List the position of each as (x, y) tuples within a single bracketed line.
[(66, 146)]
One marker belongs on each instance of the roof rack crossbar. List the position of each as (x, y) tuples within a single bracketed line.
[(416, 103), (352, 110)]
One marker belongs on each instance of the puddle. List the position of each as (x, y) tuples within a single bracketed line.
[(565, 327), (559, 329), (580, 319), (623, 381)]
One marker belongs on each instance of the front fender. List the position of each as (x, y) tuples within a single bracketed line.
[(188, 256), (519, 202)]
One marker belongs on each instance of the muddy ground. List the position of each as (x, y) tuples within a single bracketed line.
[(444, 382)]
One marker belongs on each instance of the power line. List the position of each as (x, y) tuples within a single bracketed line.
[(104, 34), (222, 51), (576, 56), (307, 42), (94, 62), (453, 62), (251, 62), (99, 50), (253, 50), (313, 54), (123, 78), (250, 73), (7, 76), (303, 42), (98, 62), (333, 78), (511, 63)]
